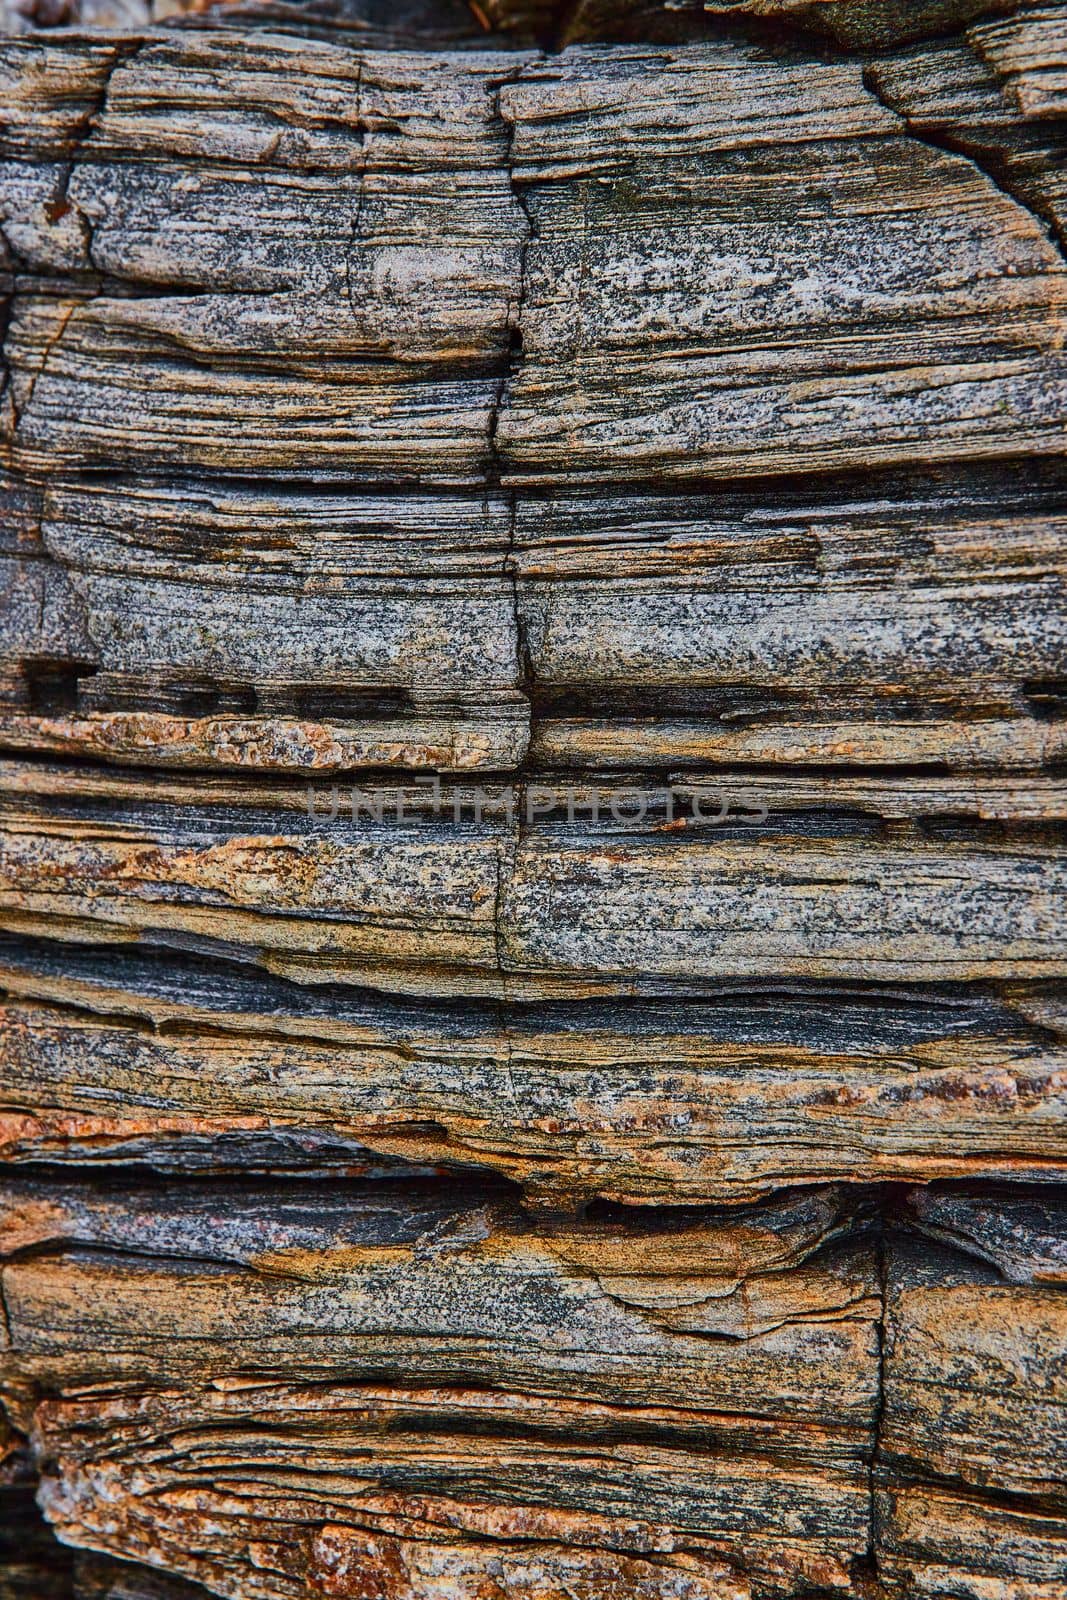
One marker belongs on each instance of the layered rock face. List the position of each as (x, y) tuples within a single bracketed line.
[(532, 729)]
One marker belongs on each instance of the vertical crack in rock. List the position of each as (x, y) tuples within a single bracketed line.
[(357, 219), (983, 159), (879, 1397), (58, 207), (61, 203), (515, 305), (493, 479), (498, 950), (514, 357), (42, 365)]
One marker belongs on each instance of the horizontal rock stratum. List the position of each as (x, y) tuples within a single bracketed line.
[(532, 729)]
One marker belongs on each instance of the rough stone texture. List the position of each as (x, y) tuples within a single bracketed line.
[(424, 24), (171, 1061), (684, 1404), (532, 665), (974, 1402), (493, 892)]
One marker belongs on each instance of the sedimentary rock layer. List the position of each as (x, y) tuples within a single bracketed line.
[(720, 265), (173, 1062), (532, 889), (324, 632), (694, 1404), (499, 892)]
